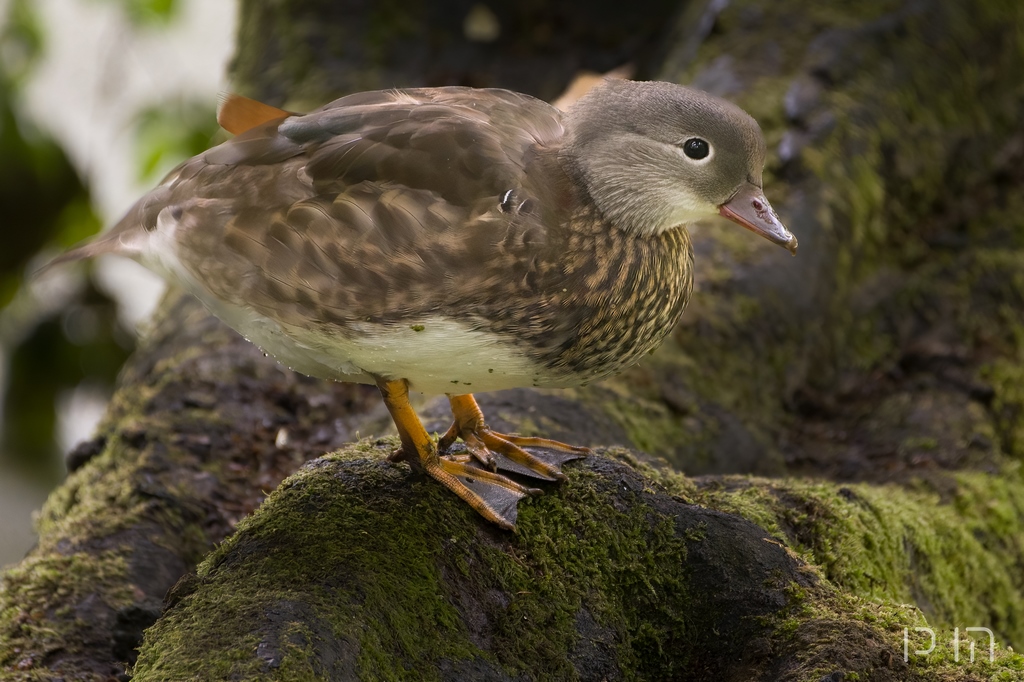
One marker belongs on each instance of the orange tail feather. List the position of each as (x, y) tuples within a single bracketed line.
[(237, 114)]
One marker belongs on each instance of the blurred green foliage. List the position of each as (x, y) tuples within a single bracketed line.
[(21, 41), (144, 13), (45, 204), (42, 197), (172, 132), (40, 192), (82, 343)]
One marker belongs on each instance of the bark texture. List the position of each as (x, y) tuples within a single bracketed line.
[(853, 416)]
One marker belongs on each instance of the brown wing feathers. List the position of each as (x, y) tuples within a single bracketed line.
[(417, 142)]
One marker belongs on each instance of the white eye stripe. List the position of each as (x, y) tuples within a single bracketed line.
[(701, 162), (698, 141)]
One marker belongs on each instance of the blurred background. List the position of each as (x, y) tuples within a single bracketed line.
[(98, 98)]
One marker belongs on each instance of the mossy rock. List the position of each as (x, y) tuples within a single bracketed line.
[(352, 569)]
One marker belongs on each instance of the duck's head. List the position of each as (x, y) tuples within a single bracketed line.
[(654, 156)]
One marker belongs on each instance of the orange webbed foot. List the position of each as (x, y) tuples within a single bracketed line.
[(493, 496), (535, 457)]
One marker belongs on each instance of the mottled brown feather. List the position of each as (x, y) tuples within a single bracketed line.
[(388, 207)]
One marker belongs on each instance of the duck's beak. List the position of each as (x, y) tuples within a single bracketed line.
[(749, 208)]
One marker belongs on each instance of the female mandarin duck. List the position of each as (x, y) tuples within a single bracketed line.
[(454, 240)]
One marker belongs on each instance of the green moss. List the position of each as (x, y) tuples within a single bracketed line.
[(878, 550), (893, 175), (890, 165), (753, 502), (716, 378), (99, 499), (996, 321), (38, 598), (618, 565), (892, 560), (95, 530), (1007, 381), (834, 630), (575, 553), (650, 425), (956, 559)]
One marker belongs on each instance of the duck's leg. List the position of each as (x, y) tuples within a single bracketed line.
[(494, 496), (499, 451)]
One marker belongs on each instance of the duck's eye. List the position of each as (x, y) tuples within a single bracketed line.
[(696, 148)]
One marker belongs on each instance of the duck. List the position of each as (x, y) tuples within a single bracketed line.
[(455, 240)]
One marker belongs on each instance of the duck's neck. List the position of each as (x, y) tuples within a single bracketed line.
[(632, 289)]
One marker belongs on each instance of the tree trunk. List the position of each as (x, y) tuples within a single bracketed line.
[(873, 383)]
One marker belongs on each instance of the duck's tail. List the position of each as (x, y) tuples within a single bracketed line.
[(237, 115), (124, 239)]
